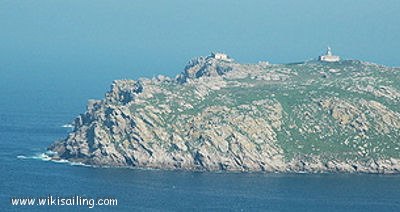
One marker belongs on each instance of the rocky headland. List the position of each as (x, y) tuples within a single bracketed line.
[(219, 114)]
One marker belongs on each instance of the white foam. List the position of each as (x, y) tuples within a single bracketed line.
[(78, 164), (38, 156), (41, 156), (47, 156), (67, 126), (60, 161), (50, 153)]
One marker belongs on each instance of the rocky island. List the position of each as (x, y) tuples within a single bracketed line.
[(218, 114)]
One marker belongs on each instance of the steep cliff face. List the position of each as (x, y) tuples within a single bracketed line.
[(222, 115)]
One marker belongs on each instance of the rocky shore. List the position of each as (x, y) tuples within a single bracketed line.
[(219, 114)]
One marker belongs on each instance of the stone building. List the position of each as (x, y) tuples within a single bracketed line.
[(220, 56)]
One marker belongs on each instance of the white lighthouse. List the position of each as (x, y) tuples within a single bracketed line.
[(329, 57)]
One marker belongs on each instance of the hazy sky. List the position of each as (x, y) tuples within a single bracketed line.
[(44, 41)]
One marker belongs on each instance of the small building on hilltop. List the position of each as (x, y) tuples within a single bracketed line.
[(220, 56), (329, 57)]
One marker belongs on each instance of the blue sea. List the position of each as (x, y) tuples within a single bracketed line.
[(25, 134)]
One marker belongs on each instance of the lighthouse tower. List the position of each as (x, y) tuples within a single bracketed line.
[(329, 57)]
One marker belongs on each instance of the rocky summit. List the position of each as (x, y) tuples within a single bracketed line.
[(220, 115)]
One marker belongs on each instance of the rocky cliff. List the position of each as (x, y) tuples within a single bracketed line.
[(221, 115)]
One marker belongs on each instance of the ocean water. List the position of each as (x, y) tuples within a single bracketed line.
[(24, 135)]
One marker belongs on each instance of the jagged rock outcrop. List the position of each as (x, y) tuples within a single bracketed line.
[(222, 115), (206, 66)]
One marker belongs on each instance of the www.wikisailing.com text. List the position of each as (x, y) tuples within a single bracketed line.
[(63, 201)]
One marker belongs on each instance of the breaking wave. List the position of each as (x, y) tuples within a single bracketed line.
[(67, 126), (47, 157)]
